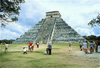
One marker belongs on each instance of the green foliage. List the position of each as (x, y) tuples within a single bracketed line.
[(9, 9), (92, 37), (6, 41), (15, 19), (95, 22)]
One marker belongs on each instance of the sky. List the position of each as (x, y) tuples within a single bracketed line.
[(76, 13)]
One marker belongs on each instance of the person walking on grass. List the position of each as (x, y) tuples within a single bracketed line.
[(25, 51), (37, 45), (70, 46), (32, 46), (80, 44), (50, 48), (94, 47), (85, 47), (6, 47), (91, 47)]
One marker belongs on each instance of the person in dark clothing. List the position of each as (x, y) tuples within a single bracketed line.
[(96, 45), (50, 48)]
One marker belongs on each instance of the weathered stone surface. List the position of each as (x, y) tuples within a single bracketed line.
[(51, 29)]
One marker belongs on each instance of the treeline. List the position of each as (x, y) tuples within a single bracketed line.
[(89, 38), (6, 41), (92, 38)]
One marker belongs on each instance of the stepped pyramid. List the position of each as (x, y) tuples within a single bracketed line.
[(51, 29)]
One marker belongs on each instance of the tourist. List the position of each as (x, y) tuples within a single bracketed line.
[(70, 46), (24, 49), (37, 45), (46, 52), (6, 47), (96, 46), (50, 48), (87, 44), (85, 47), (91, 47), (80, 46), (32, 46), (47, 49)]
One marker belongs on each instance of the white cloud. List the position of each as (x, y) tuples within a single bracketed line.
[(7, 34), (17, 27), (12, 31), (85, 31), (77, 13)]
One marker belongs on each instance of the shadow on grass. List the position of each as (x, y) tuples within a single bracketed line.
[(56, 53), (56, 48), (2, 53), (38, 52)]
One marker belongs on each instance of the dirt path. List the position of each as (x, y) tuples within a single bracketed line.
[(91, 56), (20, 48)]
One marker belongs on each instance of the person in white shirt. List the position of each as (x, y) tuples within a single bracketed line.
[(24, 49), (85, 47), (6, 47)]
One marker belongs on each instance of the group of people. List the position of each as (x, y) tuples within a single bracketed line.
[(83, 46), (93, 46), (30, 47)]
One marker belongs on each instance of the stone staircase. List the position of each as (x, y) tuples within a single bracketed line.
[(46, 30)]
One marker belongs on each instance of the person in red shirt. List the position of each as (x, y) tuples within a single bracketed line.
[(33, 46), (30, 46), (96, 46)]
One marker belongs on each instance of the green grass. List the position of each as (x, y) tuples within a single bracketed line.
[(60, 58)]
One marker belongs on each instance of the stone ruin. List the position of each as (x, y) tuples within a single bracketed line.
[(51, 29)]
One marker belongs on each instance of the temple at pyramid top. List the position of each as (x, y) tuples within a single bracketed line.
[(53, 14)]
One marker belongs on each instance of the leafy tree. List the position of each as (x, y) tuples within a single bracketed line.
[(95, 22), (92, 37), (6, 41), (98, 38), (9, 10), (86, 37)]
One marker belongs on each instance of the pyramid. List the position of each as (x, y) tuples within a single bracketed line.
[(51, 29)]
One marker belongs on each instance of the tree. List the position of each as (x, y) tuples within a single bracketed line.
[(95, 22), (86, 37), (98, 38), (92, 37), (9, 10)]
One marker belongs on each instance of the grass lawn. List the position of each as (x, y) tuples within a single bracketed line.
[(60, 58)]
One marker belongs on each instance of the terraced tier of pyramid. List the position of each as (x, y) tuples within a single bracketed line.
[(51, 29)]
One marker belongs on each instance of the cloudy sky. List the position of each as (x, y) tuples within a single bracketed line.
[(76, 13)]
